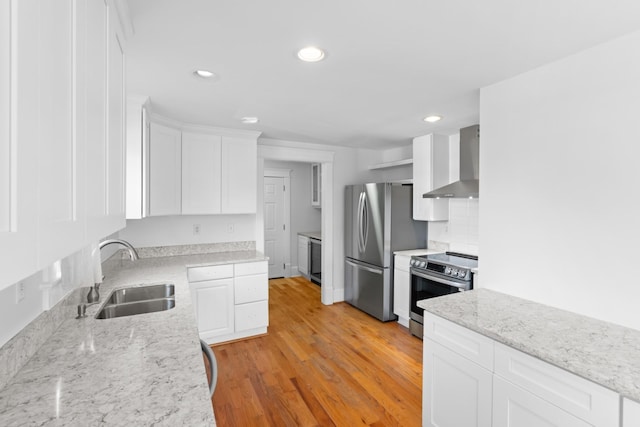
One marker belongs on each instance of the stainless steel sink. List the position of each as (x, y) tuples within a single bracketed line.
[(110, 311), (138, 300), (141, 293)]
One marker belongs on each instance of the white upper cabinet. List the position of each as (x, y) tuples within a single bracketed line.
[(116, 102), (18, 123), (430, 171), (137, 143), (60, 145), (239, 175), (61, 120), (165, 170), (201, 173), (95, 116)]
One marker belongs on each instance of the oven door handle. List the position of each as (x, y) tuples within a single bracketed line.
[(437, 279), (362, 267)]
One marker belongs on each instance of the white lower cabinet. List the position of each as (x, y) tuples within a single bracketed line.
[(231, 301), (630, 413), (514, 406), (456, 391), (213, 302), (303, 255), (502, 387), (402, 289)]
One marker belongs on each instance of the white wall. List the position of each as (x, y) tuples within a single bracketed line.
[(43, 290), (560, 183), (304, 217), (178, 230)]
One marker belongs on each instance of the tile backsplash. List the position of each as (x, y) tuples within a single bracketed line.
[(460, 232)]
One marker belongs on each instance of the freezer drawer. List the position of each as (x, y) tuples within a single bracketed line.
[(369, 288)]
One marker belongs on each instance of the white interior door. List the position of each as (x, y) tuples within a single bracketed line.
[(275, 234)]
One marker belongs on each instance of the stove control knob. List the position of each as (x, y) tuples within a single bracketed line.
[(447, 270), (454, 272), (423, 264), (462, 274), (412, 262)]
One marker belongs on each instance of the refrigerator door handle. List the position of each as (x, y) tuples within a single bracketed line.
[(360, 219), (362, 267), (365, 226)]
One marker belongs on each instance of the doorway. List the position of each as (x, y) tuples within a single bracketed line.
[(276, 229), (329, 256)]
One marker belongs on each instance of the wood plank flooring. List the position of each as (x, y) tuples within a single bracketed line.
[(319, 366)]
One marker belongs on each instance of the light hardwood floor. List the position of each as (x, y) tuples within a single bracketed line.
[(319, 366)]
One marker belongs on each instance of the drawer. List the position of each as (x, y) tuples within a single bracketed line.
[(252, 315), (251, 288), (473, 346), (248, 268), (588, 401), (210, 272)]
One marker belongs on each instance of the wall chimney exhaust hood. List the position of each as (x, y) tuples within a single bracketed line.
[(467, 187)]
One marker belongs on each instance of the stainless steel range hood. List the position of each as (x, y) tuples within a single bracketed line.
[(468, 186)]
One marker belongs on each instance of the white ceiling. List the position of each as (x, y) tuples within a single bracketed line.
[(388, 63)]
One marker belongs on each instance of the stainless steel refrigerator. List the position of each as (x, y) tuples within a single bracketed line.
[(378, 221)]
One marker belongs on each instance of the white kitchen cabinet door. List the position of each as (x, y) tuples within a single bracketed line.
[(116, 127), (214, 305), (137, 164), (239, 175), (19, 100), (165, 170), (630, 413), (513, 406), (95, 78), (430, 171), (591, 402), (104, 110), (303, 255), (251, 288), (455, 390), (60, 148), (252, 315), (201, 173), (402, 289)]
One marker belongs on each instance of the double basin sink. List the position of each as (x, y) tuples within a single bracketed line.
[(138, 300)]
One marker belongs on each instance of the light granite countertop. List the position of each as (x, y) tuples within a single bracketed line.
[(137, 370), (418, 252), (599, 351), (312, 234)]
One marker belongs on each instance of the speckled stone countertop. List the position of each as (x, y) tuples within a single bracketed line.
[(418, 252), (599, 351), (312, 234), (137, 370)]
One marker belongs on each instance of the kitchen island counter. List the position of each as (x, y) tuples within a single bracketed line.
[(137, 370), (602, 352)]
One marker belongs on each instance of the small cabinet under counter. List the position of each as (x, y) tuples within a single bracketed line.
[(231, 300)]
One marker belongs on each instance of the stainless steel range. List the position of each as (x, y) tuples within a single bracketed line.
[(436, 275)]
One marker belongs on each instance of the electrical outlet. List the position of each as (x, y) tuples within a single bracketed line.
[(230, 228), (20, 293), (196, 229)]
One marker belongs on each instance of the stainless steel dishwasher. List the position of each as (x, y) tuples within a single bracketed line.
[(315, 260)]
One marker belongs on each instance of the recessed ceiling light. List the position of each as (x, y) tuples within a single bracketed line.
[(205, 74), (249, 120), (432, 119), (311, 54)]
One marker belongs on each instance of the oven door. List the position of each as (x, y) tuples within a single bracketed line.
[(424, 286)]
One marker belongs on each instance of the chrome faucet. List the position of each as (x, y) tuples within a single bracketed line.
[(132, 252)]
